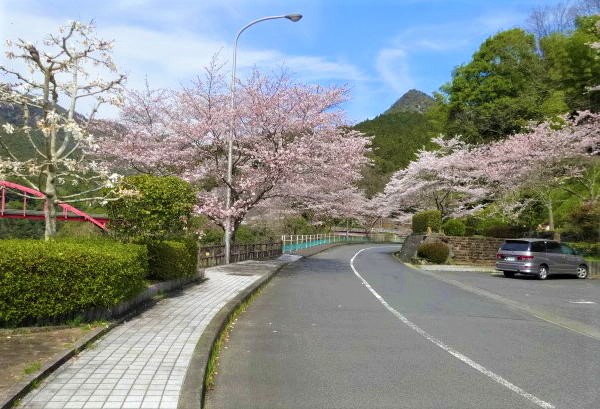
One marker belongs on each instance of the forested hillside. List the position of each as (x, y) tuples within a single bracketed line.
[(398, 133), (412, 101)]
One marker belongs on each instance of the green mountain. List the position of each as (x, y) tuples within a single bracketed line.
[(412, 101), (397, 134)]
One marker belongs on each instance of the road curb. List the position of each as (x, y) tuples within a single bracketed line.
[(193, 392)]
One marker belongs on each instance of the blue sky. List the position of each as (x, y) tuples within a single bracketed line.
[(378, 48)]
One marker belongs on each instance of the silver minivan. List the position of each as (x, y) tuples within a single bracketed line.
[(539, 257)]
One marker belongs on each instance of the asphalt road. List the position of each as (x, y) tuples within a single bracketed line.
[(563, 295), (326, 333)]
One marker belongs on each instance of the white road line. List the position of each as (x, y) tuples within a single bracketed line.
[(495, 377)]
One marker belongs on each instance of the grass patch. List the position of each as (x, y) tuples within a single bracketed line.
[(213, 360), (32, 368)]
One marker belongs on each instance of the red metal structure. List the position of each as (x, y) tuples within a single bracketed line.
[(68, 213)]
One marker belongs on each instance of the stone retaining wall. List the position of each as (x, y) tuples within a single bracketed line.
[(482, 250), (474, 249)]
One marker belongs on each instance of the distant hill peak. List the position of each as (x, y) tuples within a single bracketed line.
[(412, 101)]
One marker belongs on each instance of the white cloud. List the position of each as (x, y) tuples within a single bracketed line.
[(171, 56), (393, 68)]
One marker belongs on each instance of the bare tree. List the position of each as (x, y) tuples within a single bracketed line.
[(546, 20), (559, 18)]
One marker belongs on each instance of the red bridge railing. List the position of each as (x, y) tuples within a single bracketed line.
[(69, 213)]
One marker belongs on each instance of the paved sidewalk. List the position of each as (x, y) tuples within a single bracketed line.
[(143, 362)]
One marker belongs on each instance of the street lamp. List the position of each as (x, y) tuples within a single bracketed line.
[(294, 18)]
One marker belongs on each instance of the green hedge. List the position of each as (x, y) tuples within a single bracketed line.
[(169, 260), (454, 227), (434, 252), (426, 218), (49, 281), (505, 231), (587, 249)]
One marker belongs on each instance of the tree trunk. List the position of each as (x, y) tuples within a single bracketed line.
[(50, 206), (550, 215)]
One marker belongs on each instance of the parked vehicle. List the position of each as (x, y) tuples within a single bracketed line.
[(539, 257)]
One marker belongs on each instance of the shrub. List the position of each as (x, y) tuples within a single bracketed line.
[(454, 227), (584, 221), (158, 209), (48, 281), (253, 234), (434, 252), (426, 218), (471, 226), (299, 225), (504, 231), (587, 249), (169, 260)]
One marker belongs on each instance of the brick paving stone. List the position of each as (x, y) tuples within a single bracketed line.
[(142, 363)]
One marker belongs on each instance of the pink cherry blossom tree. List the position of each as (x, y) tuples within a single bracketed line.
[(290, 142), (439, 178), (68, 67), (458, 179), (548, 156)]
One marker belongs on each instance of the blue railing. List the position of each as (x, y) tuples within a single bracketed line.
[(292, 243)]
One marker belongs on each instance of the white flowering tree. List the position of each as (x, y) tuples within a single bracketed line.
[(66, 68)]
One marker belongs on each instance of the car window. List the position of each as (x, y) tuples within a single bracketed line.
[(566, 249), (553, 247), (515, 246), (538, 246)]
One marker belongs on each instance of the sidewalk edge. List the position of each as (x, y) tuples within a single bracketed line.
[(192, 391)]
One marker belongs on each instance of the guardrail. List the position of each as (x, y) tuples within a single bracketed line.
[(292, 243)]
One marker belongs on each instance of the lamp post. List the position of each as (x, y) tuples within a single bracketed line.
[(294, 18)]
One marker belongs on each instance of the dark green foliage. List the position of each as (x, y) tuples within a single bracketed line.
[(21, 229), (159, 211), (499, 91), (169, 260), (471, 226), (572, 65), (454, 227), (587, 249), (434, 252), (585, 221), (212, 236), (48, 281), (397, 137), (254, 234), (78, 230), (412, 101), (504, 231), (299, 225), (427, 218)]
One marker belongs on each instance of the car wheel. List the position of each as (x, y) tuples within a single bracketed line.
[(509, 274), (582, 271), (542, 272)]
